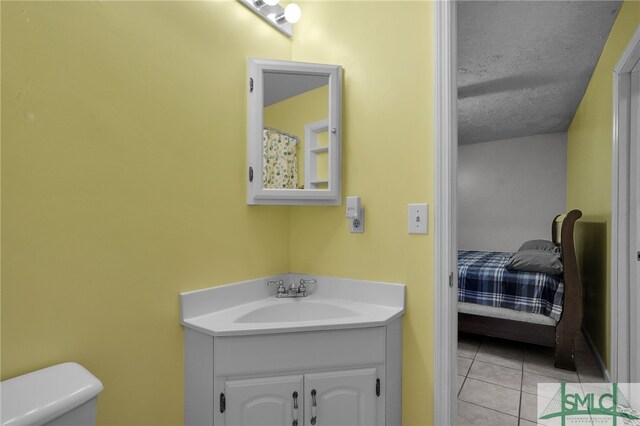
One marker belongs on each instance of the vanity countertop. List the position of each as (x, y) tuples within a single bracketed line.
[(250, 307)]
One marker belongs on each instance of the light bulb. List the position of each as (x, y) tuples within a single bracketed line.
[(271, 2), (292, 13)]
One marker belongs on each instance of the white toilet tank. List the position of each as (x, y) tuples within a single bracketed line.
[(62, 395)]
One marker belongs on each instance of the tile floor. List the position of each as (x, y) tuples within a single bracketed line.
[(497, 379)]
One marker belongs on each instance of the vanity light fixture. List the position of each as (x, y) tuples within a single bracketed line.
[(280, 17), (292, 13)]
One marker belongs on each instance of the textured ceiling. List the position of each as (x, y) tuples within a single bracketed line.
[(523, 66)]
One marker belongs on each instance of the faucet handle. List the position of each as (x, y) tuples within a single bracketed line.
[(274, 282), (302, 288), (280, 284)]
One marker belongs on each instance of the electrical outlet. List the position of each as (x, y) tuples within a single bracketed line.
[(356, 225), (418, 220)]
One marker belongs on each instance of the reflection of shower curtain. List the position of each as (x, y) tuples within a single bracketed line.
[(279, 160)]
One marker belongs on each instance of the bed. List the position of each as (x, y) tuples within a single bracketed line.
[(530, 307)]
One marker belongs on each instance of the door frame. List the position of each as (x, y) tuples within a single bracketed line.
[(445, 278), (623, 319), (445, 281)]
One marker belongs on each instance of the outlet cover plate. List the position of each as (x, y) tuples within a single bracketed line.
[(356, 226)]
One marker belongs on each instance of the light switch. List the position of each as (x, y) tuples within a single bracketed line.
[(418, 218)]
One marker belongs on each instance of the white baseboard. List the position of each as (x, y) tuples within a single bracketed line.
[(596, 354)]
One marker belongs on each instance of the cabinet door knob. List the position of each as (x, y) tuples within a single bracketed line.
[(314, 414)]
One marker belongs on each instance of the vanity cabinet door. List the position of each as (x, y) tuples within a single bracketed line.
[(341, 398), (271, 401)]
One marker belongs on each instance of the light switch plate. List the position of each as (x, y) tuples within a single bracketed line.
[(418, 220)]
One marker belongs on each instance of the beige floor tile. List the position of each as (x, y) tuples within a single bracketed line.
[(586, 365), (591, 376), (470, 414), (463, 365), (507, 377), (467, 349), (530, 381), (596, 387), (550, 371), (460, 382), (491, 396), (529, 407), (500, 360), (501, 353), (552, 390)]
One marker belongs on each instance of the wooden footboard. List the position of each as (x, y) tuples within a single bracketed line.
[(571, 319)]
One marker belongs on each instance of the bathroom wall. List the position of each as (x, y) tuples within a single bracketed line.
[(589, 177), (123, 184), (388, 161), (123, 181), (510, 190)]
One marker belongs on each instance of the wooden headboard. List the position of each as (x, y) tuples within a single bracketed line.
[(569, 325)]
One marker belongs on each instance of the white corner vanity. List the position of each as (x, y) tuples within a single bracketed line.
[(325, 351)]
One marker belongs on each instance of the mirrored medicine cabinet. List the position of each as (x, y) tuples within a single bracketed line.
[(294, 143)]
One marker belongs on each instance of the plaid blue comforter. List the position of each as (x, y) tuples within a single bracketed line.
[(483, 279)]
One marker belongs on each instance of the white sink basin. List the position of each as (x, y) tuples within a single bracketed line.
[(297, 310), (251, 307)]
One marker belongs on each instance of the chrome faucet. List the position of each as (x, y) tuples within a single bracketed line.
[(294, 290)]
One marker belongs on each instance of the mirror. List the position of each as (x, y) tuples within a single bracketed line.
[(294, 134)]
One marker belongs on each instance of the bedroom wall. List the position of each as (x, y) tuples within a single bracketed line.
[(510, 190), (589, 178)]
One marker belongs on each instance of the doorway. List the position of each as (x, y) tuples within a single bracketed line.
[(445, 277)]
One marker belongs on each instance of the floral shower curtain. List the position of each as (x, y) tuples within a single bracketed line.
[(279, 160)]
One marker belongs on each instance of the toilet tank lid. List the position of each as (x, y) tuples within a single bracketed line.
[(43, 395)]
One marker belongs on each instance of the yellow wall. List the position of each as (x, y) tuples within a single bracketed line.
[(123, 164), (589, 177), (291, 115), (123, 184), (388, 157)]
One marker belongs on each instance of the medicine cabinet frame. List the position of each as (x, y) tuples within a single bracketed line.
[(256, 193)]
